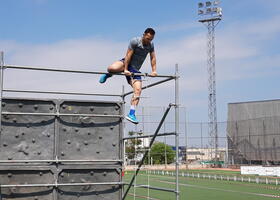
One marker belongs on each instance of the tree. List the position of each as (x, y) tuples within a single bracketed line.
[(160, 153)]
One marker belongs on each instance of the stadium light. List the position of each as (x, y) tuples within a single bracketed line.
[(217, 2), (200, 5), (200, 12), (209, 10), (217, 10), (208, 3)]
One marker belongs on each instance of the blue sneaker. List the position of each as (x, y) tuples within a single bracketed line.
[(104, 77), (132, 118)]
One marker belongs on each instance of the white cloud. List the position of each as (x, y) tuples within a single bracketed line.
[(186, 51), (238, 56), (84, 54), (91, 53), (254, 30)]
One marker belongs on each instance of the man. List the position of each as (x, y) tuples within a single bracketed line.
[(137, 51)]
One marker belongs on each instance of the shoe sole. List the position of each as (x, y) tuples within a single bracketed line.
[(134, 122)]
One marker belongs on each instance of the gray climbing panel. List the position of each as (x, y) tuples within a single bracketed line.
[(60, 149)]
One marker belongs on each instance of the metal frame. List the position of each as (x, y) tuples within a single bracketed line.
[(122, 96), (59, 114), (1, 87), (147, 151), (55, 161), (62, 184), (148, 136)]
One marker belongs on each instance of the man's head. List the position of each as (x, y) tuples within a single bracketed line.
[(148, 36)]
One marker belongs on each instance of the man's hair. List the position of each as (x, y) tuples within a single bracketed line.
[(150, 30)]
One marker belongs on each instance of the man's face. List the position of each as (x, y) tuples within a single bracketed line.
[(147, 38)]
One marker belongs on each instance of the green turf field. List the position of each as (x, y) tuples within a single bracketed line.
[(201, 189)]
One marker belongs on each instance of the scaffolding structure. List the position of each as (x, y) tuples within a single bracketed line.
[(122, 97)]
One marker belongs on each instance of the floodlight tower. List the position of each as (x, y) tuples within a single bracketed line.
[(210, 14)]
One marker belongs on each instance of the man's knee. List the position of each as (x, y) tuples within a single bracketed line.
[(117, 66), (111, 68), (135, 97), (137, 94), (137, 91)]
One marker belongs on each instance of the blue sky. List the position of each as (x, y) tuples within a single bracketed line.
[(91, 34)]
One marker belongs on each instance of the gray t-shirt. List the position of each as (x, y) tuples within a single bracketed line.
[(140, 52)]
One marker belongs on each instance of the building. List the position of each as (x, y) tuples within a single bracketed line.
[(253, 132), (204, 154)]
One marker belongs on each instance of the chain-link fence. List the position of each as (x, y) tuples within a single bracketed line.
[(244, 142)]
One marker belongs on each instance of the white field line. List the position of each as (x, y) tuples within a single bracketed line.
[(223, 190), (217, 189)]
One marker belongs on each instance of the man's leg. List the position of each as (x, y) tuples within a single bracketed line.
[(116, 67), (137, 88)]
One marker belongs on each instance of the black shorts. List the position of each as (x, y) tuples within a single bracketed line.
[(133, 70)]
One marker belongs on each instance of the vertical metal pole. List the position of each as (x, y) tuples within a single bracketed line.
[(1, 88), (186, 138), (227, 146), (177, 129), (201, 136), (1, 96), (250, 148), (123, 142), (56, 146), (235, 146), (264, 146), (165, 155)]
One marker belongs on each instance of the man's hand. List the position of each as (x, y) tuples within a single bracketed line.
[(154, 73), (127, 73)]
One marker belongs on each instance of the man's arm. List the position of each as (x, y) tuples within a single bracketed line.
[(153, 63), (127, 59)]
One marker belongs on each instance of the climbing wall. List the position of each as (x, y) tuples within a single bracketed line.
[(60, 149)]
